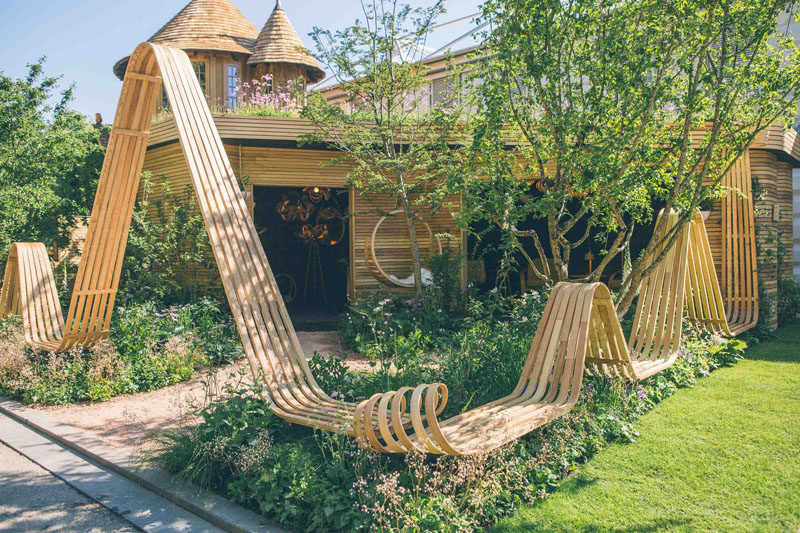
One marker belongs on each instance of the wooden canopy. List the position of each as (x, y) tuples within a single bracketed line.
[(279, 42), (204, 25)]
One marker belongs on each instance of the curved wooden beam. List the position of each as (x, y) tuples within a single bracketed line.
[(739, 267), (579, 328)]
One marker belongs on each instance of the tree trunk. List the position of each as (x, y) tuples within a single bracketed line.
[(412, 234)]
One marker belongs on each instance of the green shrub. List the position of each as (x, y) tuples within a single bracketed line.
[(168, 251), (147, 349), (788, 300)]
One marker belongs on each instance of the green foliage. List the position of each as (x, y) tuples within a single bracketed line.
[(148, 349), (313, 481), (486, 357), (49, 161), (397, 145), (788, 300), (168, 250), (445, 291), (334, 378), (602, 98)]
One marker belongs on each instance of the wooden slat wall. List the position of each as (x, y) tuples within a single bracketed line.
[(714, 229), (290, 128), (291, 167), (796, 225), (286, 167), (240, 127), (775, 180), (778, 139), (783, 198)]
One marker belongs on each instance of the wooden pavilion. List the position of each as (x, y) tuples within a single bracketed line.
[(226, 49)]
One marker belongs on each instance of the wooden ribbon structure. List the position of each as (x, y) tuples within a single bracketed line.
[(739, 268), (371, 257), (578, 330)]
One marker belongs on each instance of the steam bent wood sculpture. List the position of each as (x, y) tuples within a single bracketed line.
[(267, 334), (579, 327), (739, 272)]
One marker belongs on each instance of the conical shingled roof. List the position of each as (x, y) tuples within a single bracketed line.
[(204, 25), (279, 42)]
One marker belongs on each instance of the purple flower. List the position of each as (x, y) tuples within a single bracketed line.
[(642, 394), (590, 386)]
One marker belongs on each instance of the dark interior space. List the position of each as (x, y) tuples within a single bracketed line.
[(484, 242), (304, 234)]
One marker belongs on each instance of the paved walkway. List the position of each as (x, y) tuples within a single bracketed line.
[(33, 499), (140, 507)]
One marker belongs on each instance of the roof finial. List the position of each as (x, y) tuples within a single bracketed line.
[(278, 4)]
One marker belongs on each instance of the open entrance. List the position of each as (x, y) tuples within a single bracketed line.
[(304, 234)]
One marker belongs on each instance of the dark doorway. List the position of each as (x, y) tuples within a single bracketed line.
[(305, 236)]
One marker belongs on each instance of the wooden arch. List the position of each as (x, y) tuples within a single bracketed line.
[(371, 257), (579, 327), (268, 337)]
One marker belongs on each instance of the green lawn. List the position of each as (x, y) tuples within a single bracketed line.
[(722, 456)]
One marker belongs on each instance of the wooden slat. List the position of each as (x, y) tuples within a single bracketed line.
[(144, 77), (739, 267)]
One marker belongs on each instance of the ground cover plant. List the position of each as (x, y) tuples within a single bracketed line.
[(149, 347), (313, 480)]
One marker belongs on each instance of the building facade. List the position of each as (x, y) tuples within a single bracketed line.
[(320, 260)]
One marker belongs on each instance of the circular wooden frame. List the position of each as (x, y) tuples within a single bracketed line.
[(372, 259)]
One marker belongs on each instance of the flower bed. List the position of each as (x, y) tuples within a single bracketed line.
[(315, 480)]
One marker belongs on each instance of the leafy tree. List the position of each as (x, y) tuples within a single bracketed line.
[(395, 141), (50, 160), (605, 101)]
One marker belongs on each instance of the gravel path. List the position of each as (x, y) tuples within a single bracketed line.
[(32, 499)]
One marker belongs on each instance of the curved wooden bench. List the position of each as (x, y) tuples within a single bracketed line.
[(371, 258), (579, 330)]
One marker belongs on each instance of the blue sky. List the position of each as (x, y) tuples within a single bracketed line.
[(83, 39)]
